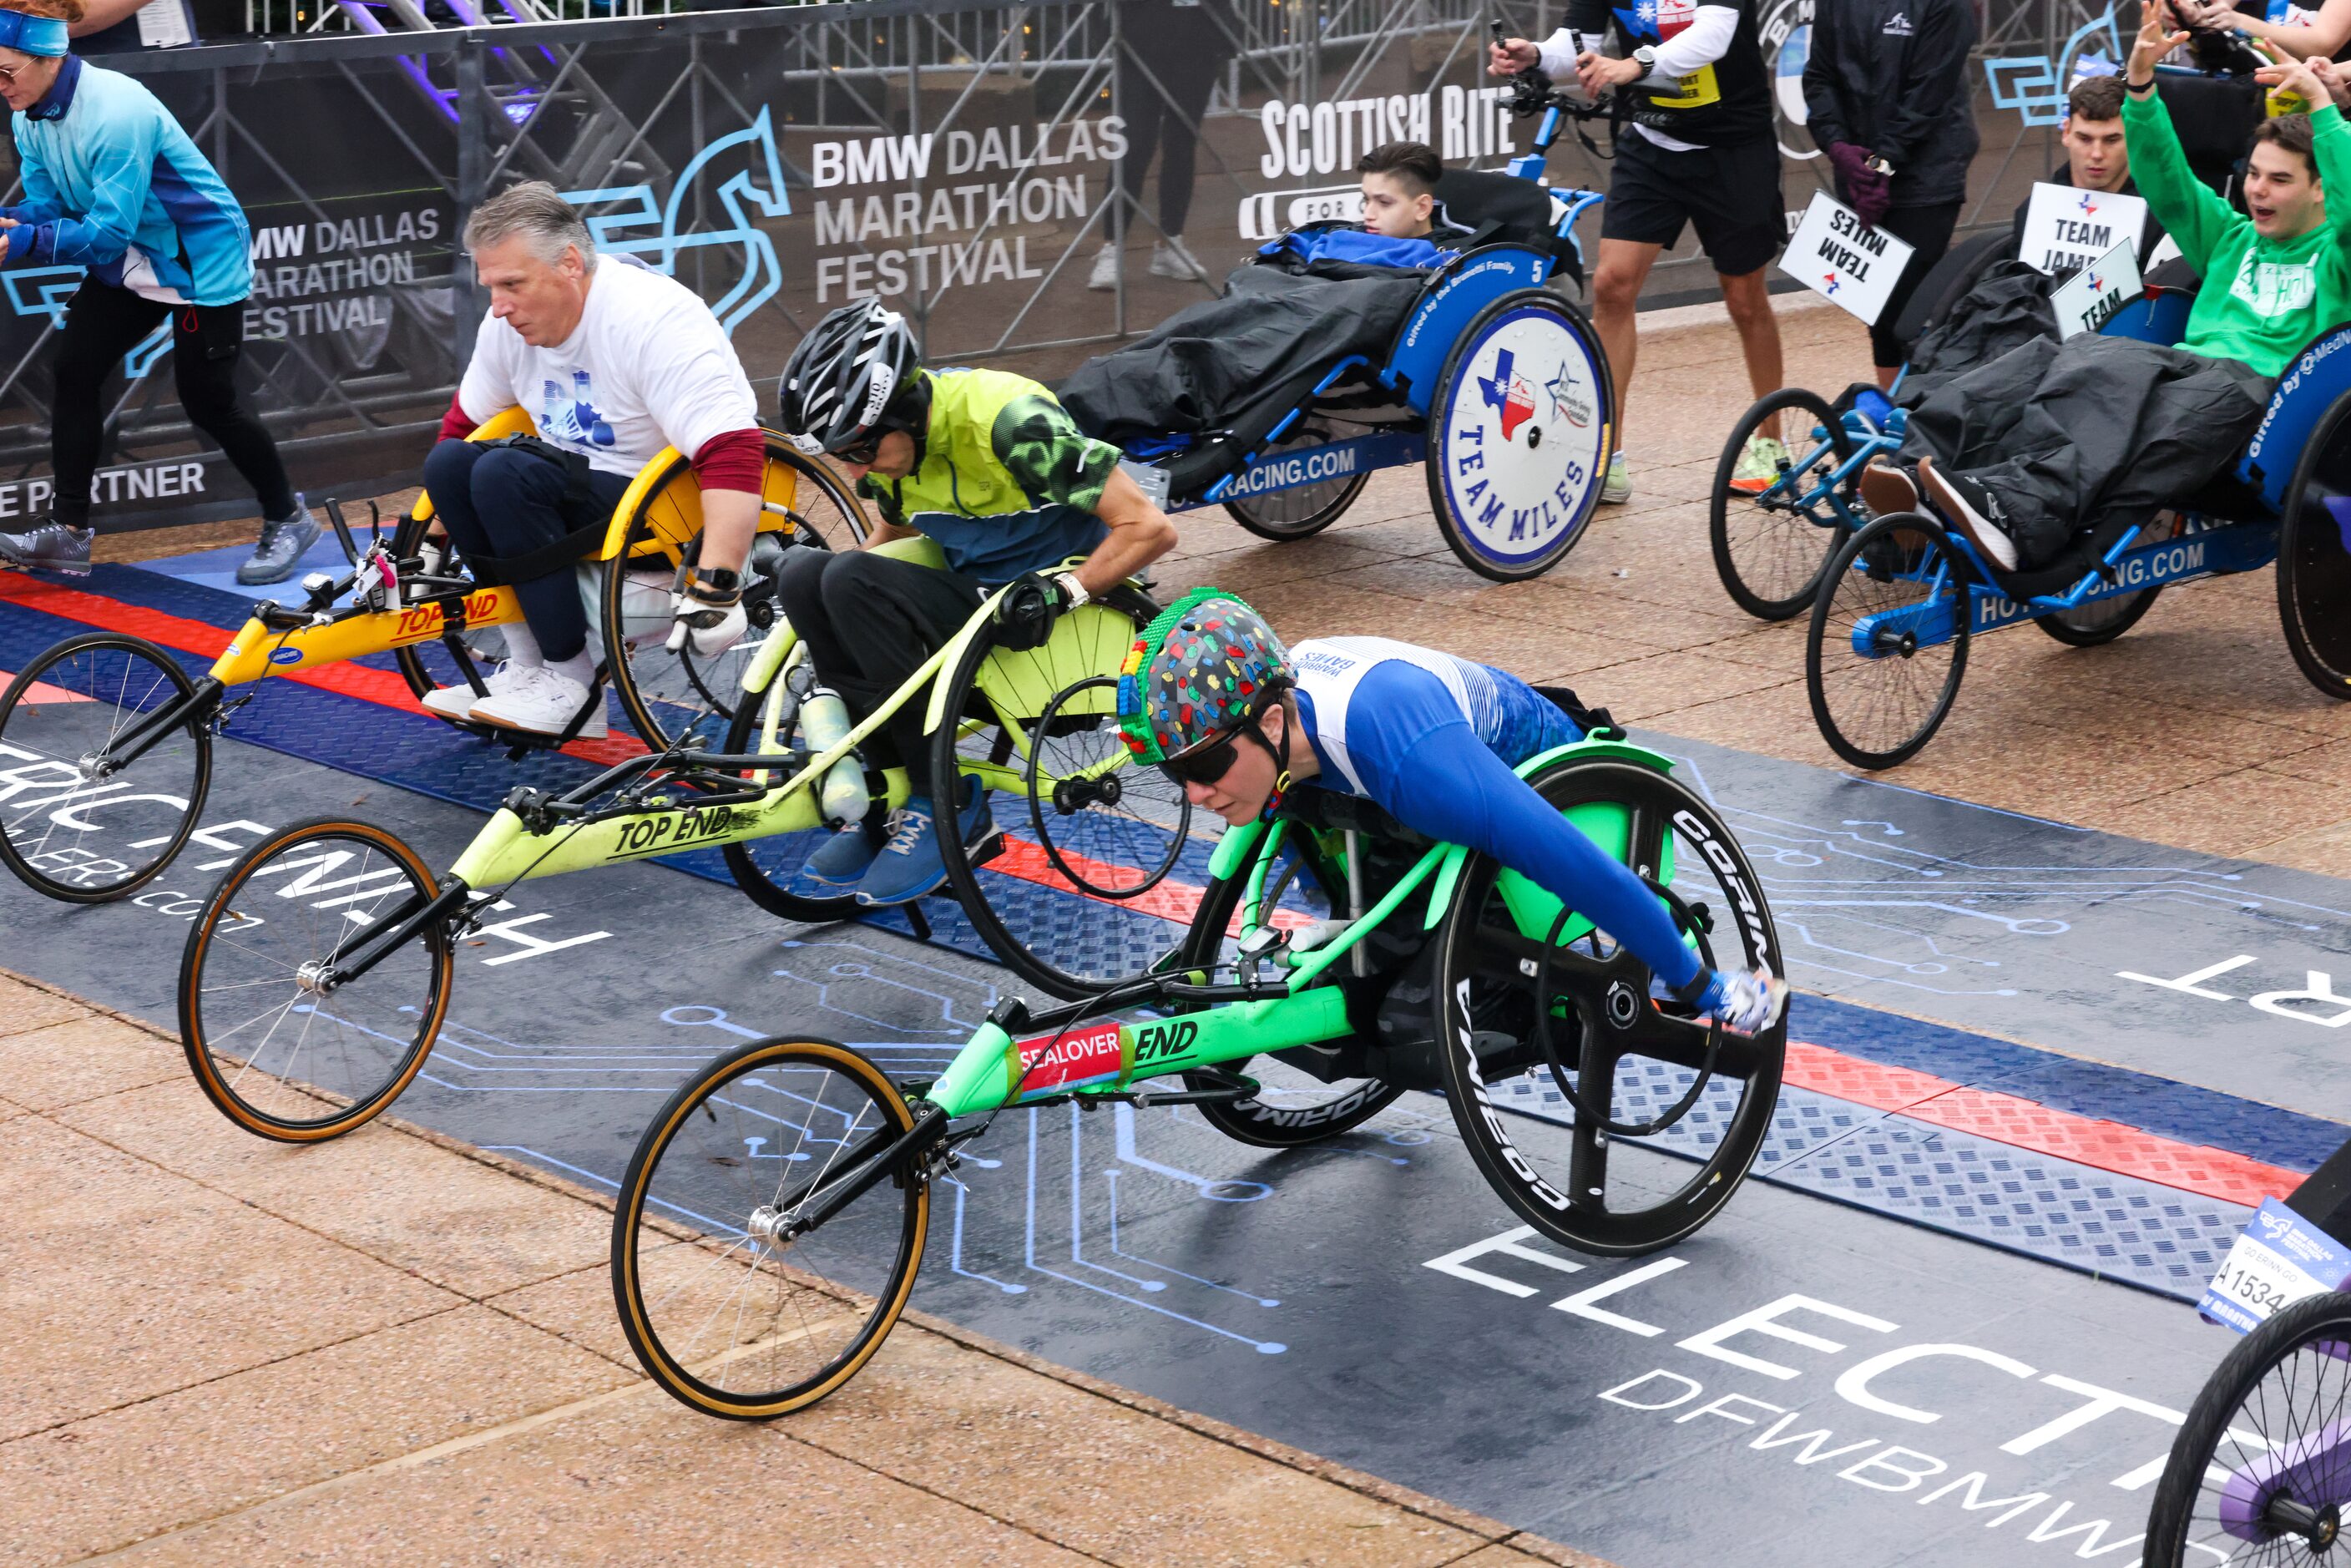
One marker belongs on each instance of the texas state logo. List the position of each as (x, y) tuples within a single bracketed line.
[(1508, 393)]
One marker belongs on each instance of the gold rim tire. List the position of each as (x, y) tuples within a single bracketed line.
[(664, 696), (84, 840), (765, 867), (277, 1057), (1046, 931), (724, 1314)]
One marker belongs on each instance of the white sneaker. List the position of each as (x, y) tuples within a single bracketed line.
[(1170, 259), (1104, 277), (457, 701), (1616, 487), (541, 702)]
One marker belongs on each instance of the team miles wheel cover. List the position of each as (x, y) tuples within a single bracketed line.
[(1518, 435)]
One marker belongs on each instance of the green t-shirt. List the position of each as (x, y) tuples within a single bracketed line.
[(1008, 483), (2263, 300)]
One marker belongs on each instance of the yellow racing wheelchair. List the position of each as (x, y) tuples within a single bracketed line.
[(318, 973), (106, 738)]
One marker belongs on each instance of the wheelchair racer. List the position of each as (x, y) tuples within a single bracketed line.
[(992, 467), (613, 363), (1428, 738)]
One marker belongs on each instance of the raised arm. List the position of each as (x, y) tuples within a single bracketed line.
[(2193, 213)]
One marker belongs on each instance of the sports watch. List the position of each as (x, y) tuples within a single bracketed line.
[(1646, 59)]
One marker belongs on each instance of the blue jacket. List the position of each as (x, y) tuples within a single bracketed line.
[(113, 183)]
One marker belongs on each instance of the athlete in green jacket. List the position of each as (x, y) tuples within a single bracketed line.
[(2049, 440), (991, 467)]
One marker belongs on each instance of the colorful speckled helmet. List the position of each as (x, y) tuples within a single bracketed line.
[(1204, 667)]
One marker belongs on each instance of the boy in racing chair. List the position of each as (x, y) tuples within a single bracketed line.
[(2052, 440)]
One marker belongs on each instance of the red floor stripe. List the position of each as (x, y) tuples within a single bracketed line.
[(2028, 1124)]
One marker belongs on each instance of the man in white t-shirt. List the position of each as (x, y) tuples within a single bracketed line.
[(613, 363)]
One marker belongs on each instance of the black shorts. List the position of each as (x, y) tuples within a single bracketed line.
[(1731, 193)]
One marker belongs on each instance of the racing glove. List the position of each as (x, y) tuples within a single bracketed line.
[(708, 614), (1025, 615), (1745, 1004)]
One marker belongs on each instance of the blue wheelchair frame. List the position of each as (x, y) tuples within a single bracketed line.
[(1450, 304)]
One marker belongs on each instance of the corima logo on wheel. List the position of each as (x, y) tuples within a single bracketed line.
[(1049, 1061)]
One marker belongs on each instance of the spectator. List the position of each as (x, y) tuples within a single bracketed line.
[(1170, 52), (2318, 30), (2098, 155), (1886, 93)]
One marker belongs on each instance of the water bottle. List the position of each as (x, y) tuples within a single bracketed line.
[(824, 724)]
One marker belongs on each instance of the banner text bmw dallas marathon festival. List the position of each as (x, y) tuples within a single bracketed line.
[(1019, 176)]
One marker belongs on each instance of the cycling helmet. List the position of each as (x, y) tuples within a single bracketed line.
[(1206, 666), (842, 379)]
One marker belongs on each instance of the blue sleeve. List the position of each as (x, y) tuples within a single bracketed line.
[(119, 175), (1424, 764), (40, 204)]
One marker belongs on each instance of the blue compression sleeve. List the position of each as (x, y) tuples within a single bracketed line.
[(1462, 793)]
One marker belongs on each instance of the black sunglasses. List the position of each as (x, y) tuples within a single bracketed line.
[(1204, 765), (863, 452)]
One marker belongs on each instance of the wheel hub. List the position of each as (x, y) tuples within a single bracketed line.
[(1623, 1007), (94, 767), (1071, 795), (766, 1226), (2318, 1526), (314, 978)]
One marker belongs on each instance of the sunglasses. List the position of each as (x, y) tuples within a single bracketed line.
[(864, 453), (1206, 765)]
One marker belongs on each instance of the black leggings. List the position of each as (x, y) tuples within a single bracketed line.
[(103, 324), (902, 614), (1165, 71), (1929, 229)]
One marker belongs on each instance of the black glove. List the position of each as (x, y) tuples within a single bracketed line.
[(1025, 615)]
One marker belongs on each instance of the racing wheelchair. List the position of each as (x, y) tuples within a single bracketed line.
[(1901, 597), (316, 976), (772, 1219), (1495, 384), (105, 740)]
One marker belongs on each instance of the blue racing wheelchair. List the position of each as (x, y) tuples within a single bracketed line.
[(1901, 597), (1495, 383)]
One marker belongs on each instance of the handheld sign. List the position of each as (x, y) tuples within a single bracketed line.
[(2065, 229), (2279, 1259), (2084, 301), (1835, 254)]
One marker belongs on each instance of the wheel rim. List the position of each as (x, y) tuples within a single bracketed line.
[(78, 823), (1111, 827), (1897, 591), (730, 1312), (1301, 509), (667, 696), (1774, 543), (277, 1053), (1611, 1193), (2317, 562), (774, 860), (2278, 1479), (1518, 447)]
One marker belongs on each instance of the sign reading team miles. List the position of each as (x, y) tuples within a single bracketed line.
[(1835, 254)]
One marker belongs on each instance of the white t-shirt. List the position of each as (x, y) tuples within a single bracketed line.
[(647, 367)]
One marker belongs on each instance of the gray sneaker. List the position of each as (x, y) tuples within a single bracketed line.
[(49, 546), (281, 546)]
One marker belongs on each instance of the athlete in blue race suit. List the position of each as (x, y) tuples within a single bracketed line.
[(1428, 738), (113, 185)]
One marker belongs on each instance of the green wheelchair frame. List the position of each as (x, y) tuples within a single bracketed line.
[(704, 1245)]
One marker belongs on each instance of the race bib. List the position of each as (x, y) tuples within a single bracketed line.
[(1695, 90), (2280, 1259)]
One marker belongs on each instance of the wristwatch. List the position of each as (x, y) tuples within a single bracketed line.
[(1879, 165), (1646, 59)]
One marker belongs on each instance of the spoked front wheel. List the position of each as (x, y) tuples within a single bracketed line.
[(1888, 641), (739, 1293), (1600, 1111), (283, 1047), (106, 756), (1774, 538), (2260, 1471)]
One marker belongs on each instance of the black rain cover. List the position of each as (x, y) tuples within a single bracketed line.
[(1203, 367)]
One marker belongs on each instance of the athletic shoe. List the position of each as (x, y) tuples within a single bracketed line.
[(540, 701), (1761, 463), (457, 701), (1746, 1004), (1104, 277), (838, 864), (49, 546), (1977, 511), (1170, 259), (909, 866), (1885, 490), (1617, 488), (280, 548)]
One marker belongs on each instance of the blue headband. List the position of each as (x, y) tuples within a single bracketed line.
[(32, 35)]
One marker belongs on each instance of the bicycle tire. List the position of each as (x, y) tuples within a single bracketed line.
[(682, 1370), (763, 874), (1839, 680), (1780, 597)]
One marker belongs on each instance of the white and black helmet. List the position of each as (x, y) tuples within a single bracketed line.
[(841, 381)]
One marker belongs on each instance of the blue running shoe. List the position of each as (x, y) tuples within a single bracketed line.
[(909, 866), (837, 867)]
